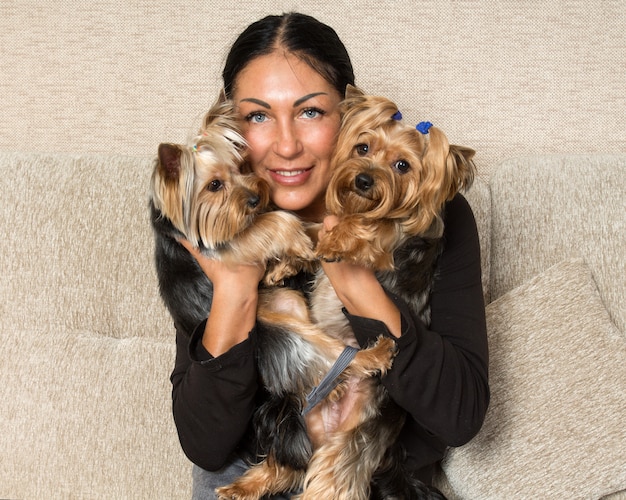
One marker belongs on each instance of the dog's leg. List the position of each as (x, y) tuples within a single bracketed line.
[(265, 478), (287, 309), (365, 242), (374, 360), (278, 239), (367, 363), (339, 470), (343, 467)]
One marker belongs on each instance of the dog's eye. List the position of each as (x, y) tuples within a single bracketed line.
[(402, 166), (362, 149), (215, 185)]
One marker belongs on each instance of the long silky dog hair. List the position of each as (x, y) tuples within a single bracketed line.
[(199, 193), (389, 186)]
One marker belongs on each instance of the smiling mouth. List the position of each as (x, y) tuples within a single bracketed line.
[(290, 173)]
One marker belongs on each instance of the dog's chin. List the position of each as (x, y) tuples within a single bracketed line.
[(358, 202), (218, 232)]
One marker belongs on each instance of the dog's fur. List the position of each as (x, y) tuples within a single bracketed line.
[(198, 193), (388, 188)]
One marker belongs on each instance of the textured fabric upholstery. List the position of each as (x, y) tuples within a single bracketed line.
[(87, 345), (555, 427), (89, 89), (507, 78), (551, 208)]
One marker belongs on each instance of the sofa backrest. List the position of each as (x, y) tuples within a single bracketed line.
[(506, 78), (86, 345), (76, 249)]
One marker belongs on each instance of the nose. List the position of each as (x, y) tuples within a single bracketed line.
[(253, 200), (287, 143), (364, 182)]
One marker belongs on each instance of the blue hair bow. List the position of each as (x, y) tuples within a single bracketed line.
[(423, 127)]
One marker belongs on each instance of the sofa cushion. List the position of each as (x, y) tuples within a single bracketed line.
[(549, 208), (555, 426), (83, 414)]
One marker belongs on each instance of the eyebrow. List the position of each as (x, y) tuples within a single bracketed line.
[(296, 103), (307, 97)]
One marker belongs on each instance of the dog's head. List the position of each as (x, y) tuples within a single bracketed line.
[(200, 189), (384, 169)]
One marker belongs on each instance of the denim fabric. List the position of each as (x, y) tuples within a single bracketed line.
[(205, 482)]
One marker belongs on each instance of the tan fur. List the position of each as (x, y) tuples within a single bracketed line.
[(288, 308), (226, 214), (409, 177), (201, 191), (399, 204)]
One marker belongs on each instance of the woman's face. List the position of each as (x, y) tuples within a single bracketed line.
[(290, 120)]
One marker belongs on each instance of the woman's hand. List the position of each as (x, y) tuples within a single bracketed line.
[(218, 271), (235, 299), (358, 289)]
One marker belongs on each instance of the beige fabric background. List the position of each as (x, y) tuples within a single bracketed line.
[(504, 77)]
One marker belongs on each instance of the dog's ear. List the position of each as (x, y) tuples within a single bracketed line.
[(353, 92), (222, 111), (450, 168), (222, 119), (221, 98), (461, 167), (170, 184), (169, 161), (353, 99)]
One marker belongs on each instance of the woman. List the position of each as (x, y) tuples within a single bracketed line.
[(287, 75)]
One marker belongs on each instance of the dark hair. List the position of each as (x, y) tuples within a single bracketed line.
[(314, 42)]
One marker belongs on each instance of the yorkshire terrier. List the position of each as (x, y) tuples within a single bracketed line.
[(199, 193), (389, 185)]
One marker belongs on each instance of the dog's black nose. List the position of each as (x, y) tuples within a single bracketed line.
[(364, 182), (254, 200)]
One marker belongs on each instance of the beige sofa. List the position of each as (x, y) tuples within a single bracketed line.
[(87, 346), (88, 90)]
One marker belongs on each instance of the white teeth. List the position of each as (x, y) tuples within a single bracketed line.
[(289, 173)]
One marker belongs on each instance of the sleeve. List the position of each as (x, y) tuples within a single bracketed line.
[(440, 374), (212, 398)]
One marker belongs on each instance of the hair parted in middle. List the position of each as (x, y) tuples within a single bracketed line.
[(312, 41)]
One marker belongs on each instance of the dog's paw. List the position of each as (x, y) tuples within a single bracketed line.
[(232, 492), (275, 275), (347, 243), (368, 244), (388, 349), (377, 359), (277, 272), (332, 249), (301, 246)]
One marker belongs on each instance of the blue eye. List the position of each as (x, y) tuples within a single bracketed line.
[(256, 117), (312, 113)]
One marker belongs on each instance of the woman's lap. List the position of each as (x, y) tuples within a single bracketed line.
[(205, 482)]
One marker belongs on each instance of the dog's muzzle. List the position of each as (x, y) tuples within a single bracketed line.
[(254, 200), (363, 182)]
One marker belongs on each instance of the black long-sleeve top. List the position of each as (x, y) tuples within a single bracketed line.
[(440, 374)]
